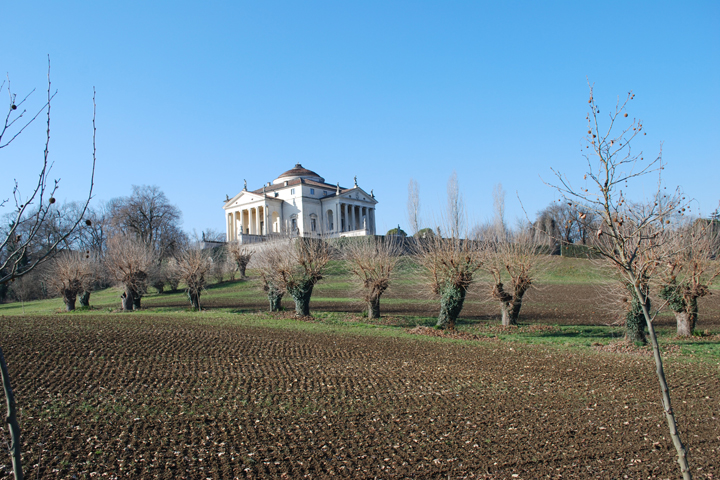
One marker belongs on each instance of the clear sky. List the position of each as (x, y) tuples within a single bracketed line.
[(194, 97)]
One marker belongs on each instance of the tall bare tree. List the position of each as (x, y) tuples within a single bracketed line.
[(455, 207), (629, 236), (30, 212), (498, 195), (413, 206), (149, 215), (372, 261)]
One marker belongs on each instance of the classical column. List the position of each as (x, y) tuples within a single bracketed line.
[(343, 217), (351, 224), (372, 221), (337, 216)]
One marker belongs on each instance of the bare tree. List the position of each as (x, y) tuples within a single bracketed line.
[(192, 268), (448, 265), (240, 254), (372, 261), (30, 213), (413, 206), (131, 263), (297, 266), (691, 270), (149, 215), (514, 261), (70, 274), (629, 237), (267, 264), (455, 207), (499, 210)]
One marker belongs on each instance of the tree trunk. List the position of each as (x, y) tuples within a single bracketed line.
[(660, 371), (507, 318), (275, 300), (85, 299), (374, 308), (194, 300), (301, 294), (686, 319), (127, 299), (136, 298), (242, 270), (451, 303), (511, 308), (635, 319), (274, 296), (69, 299), (11, 420)]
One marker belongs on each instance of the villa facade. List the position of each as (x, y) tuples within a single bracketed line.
[(299, 202)]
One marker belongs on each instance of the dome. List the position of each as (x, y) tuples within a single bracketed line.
[(298, 172)]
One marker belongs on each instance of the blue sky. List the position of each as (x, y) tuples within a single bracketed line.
[(195, 97)]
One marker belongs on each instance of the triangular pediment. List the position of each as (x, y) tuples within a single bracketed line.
[(242, 198), (357, 193)]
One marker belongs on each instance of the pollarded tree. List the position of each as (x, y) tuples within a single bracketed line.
[(241, 255), (449, 266), (514, 261), (131, 263), (72, 273), (692, 268), (192, 267), (372, 261), (629, 237), (267, 264), (298, 266)]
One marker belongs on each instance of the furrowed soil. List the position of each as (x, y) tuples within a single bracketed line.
[(140, 396)]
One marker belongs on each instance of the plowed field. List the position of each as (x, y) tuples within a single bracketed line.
[(139, 396)]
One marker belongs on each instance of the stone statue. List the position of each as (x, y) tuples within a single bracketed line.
[(355, 179), (245, 184), (338, 189), (372, 194)]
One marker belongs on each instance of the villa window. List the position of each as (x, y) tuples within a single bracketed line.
[(312, 191), (312, 224), (292, 191)]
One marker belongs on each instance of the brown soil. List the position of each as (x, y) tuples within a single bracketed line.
[(133, 396)]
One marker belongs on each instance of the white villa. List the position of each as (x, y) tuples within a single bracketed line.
[(299, 202)]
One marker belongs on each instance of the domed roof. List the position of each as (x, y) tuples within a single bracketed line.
[(299, 172)]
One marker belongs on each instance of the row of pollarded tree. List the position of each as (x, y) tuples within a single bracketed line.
[(132, 264), (680, 271)]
